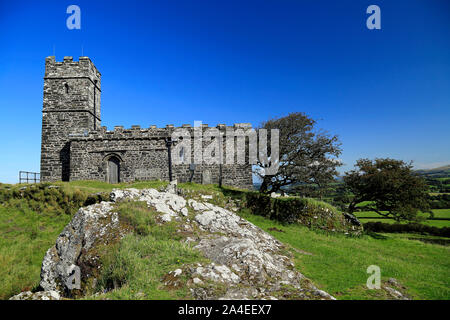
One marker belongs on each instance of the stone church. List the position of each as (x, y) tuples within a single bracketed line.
[(76, 147)]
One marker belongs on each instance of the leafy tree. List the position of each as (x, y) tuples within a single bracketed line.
[(391, 188), (306, 155)]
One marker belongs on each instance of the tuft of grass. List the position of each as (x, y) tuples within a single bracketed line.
[(136, 214), (321, 204), (138, 265)]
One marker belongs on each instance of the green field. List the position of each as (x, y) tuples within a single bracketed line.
[(441, 213), (370, 216)]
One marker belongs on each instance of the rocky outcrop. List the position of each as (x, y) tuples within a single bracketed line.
[(245, 262), (75, 251)]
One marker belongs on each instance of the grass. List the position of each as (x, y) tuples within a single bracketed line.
[(135, 268), (100, 186), (25, 237), (338, 264), (221, 195), (441, 213), (321, 204)]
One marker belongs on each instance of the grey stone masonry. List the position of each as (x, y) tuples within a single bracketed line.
[(71, 107), (76, 147)]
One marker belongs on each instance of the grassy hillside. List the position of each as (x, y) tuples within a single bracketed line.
[(335, 263), (29, 227), (25, 236), (338, 264), (440, 172)]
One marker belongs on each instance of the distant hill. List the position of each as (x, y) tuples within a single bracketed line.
[(441, 172)]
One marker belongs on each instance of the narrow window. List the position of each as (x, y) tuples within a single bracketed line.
[(66, 86), (182, 155)]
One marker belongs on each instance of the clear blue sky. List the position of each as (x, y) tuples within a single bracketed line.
[(386, 92)]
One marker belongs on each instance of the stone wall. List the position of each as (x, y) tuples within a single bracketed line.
[(143, 155)]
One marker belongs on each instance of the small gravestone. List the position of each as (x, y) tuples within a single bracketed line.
[(172, 187), (206, 177)]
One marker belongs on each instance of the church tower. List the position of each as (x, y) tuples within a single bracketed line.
[(71, 108)]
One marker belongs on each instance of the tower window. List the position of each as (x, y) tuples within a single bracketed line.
[(66, 86)]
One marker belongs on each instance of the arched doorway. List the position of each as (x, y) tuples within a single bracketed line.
[(113, 170)]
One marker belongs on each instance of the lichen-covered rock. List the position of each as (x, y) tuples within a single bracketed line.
[(395, 290), (41, 295), (243, 257), (218, 273), (170, 204), (75, 249), (253, 255)]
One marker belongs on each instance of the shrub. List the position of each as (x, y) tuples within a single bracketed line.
[(259, 204), (309, 212)]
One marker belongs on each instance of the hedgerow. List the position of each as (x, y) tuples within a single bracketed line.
[(406, 228), (306, 211), (44, 197)]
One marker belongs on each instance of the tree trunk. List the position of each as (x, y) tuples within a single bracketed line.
[(352, 207), (265, 184)]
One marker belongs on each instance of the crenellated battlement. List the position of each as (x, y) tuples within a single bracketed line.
[(152, 132), (68, 68)]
